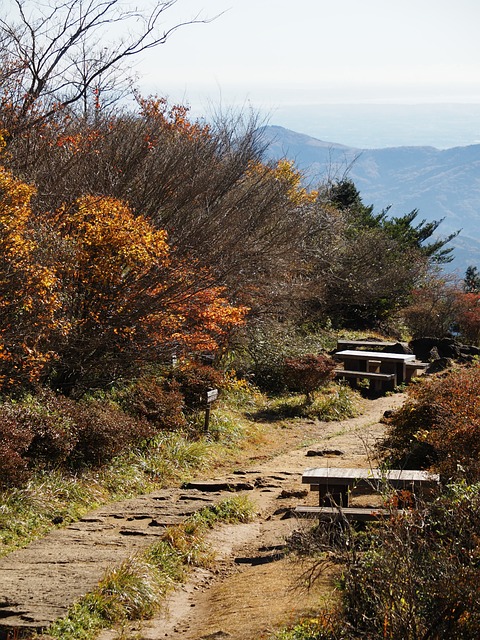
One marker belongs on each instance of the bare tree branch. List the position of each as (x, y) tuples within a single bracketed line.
[(61, 52)]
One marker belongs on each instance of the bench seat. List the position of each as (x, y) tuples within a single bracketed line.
[(357, 514), (378, 381), (335, 483)]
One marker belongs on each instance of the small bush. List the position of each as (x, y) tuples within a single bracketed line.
[(439, 424), (264, 346), (50, 418), (147, 399), (308, 373), (193, 380), (14, 441), (104, 431)]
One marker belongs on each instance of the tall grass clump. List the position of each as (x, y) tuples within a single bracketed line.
[(335, 402)]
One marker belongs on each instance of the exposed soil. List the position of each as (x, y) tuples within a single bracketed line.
[(252, 589)]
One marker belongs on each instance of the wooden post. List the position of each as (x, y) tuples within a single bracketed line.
[(212, 395)]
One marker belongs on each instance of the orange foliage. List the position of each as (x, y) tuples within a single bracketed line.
[(113, 296), (469, 316), (174, 119), (443, 412), (27, 301)]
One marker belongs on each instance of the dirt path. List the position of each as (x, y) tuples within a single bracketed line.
[(252, 588)]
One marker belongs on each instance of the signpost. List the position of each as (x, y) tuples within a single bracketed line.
[(211, 396)]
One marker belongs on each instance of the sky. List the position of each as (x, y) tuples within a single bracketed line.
[(278, 53)]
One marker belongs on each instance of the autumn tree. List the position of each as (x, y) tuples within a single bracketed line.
[(468, 316), (27, 298), (433, 307), (205, 184), (127, 299), (91, 292)]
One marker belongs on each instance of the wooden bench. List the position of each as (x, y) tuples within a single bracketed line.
[(357, 514), (378, 381), (371, 345), (334, 484), (413, 367)]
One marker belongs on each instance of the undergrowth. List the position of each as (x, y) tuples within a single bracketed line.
[(335, 402)]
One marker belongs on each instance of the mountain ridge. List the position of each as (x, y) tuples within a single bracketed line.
[(440, 183)]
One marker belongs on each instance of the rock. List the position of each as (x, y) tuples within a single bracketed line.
[(421, 347), (440, 364), (324, 452), (399, 347)]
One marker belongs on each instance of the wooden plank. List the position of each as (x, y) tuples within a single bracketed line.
[(350, 476), (212, 395), (357, 514), (352, 354), (371, 375)]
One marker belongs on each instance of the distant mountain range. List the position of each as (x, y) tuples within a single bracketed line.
[(439, 183)]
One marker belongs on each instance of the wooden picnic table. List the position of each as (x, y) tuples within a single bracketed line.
[(376, 362), (334, 484), (364, 344)]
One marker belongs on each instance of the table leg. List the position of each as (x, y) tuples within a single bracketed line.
[(333, 495)]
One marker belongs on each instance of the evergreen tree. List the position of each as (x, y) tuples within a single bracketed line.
[(471, 282), (345, 196)]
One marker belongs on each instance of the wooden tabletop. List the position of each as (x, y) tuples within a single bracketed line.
[(348, 476), (376, 355)]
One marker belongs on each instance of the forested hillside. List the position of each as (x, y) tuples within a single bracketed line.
[(441, 184)]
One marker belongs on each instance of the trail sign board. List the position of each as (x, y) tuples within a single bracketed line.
[(212, 395)]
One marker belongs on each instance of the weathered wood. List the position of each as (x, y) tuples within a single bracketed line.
[(371, 375), (357, 514), (335, 484), (349, 476), (389, 362), (364, 344), (411, 369), (379, 382), (212, 395)]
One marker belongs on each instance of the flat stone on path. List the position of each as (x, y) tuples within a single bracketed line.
[(40, 582)]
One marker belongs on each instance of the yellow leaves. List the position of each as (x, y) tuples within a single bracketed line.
[(110, 242), (15, 198), (286, 173), (288, 177)]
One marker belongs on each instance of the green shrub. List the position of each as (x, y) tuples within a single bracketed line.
[(260, 355), (336, 402)]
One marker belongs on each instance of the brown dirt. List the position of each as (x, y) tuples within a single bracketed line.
[(251, 589)]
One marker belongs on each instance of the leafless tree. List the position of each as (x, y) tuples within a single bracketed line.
[(59, 53)]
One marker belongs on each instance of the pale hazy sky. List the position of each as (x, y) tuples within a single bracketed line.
[(276, 52)]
